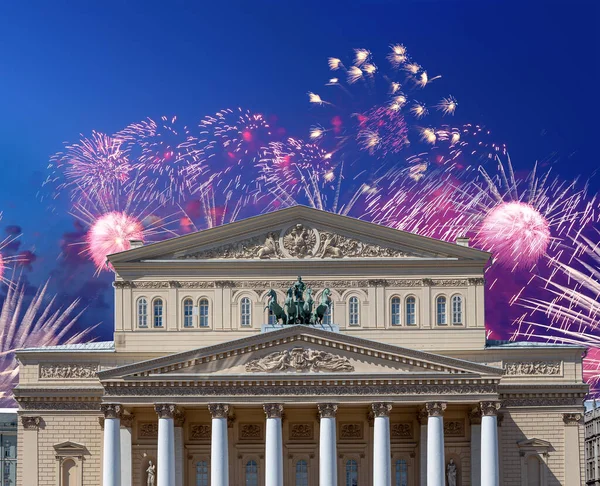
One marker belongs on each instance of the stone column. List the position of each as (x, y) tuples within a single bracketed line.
[(111, 463), (422, 416), (31, 425), (179, 420), (273, 445), (490, 472), (382, 455), (126, 462), (165, 460), (572, 463), (219, 450), (475, 419), (327, 445), (436, 462)]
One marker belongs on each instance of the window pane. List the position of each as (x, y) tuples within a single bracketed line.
[(396, 311), (246, 314), (457, 309), (158, 313), (354, 311), (351, 473), (251, 473), (188, 313), (301, 473), (142, 312), (327, 318), (203, 311), (201, 473), (411, 311), (401, 473), (441, 311)]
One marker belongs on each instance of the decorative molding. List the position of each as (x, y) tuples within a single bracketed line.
[(148, 430), (475, 416), (225, 284), (273, 410), (218, 410), (251, 431), (524, 368), (573, 418), (381, 409), (435, 409), (422, 416), (540, 401), (450, 282), (165, 410), (174, 284), (404, 282), (301, 431), (403, 430), (327, 410), (489, 408), (31, 423), (427, 282), (152, 285), (299, 359), (68, 371), (111, 410), (454, 428), (122, 284), (197, 285), (126, 420), (58, 405), (351, 431), (179, 418), (476, 281), (200, 432)]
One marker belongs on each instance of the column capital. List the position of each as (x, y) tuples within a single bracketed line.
[(127, 420), (179, 417), (218, 410), (381, 409), (572, 418), (489, 408), (475, 416), (111, 410), (435, 409), (31, 423), (422, 416), (327, 410), (273, 410), (165, 410)]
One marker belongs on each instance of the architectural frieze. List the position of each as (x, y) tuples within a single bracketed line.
[(402, 430), (524, 368), (250, 431), (301, 431), (45, 404), (200, 432), (454, 428), (299, 359), (68, 371), (351, 431), (148, 430)]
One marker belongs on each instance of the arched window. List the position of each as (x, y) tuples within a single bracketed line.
[(401, 473), (202, 473), (203, 312), (246, 312), (457, 310), (533, 471), (251, 473), (188, 313), (395, 311), (351, 473), (301, 473), (142, 312), (158, 313), (353, 313), (411, 311), (69, 473), (440, 315)]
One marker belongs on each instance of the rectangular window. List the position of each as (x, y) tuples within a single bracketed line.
[(158, 313), (411, 311)]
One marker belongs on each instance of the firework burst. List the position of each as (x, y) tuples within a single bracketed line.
[(39, 322)]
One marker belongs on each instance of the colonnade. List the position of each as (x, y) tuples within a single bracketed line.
[(382, 470)]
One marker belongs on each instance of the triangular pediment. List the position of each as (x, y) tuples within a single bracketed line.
[(299, 233), (534, 443), (300, 351)]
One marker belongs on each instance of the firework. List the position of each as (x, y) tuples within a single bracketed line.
[(23, 324), (7, 259), (95, 164)]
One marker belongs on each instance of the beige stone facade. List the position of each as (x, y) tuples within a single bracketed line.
[(406, 329)]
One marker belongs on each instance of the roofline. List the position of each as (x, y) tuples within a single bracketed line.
[(63, 348), (153, 363), (249, 224)]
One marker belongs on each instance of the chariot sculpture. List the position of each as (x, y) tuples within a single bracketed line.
[(299, 306)]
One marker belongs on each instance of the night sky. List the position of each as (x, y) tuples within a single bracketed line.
[(528, 71)]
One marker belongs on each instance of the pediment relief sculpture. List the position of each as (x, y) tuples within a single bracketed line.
[(297, 241), (300, 359)]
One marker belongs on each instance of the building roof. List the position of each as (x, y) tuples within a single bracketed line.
[(496, 344), (100, 346)]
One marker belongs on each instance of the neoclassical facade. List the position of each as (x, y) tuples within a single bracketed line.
[(394, 384)]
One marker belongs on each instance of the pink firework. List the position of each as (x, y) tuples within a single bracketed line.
[(382, 131), (112, 233), (98, 163), (516, 233)]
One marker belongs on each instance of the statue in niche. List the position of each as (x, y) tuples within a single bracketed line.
[(151, 474), (451, 473)]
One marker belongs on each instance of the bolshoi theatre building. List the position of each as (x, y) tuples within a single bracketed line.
[(300, 348)]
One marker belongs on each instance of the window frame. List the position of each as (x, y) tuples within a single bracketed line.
[(353, 301), (346, 471), (201, 317), (162, 313), (397, 481), (257, 472), (439, 314), (196, 472), (138, 314), (306, 479), (243, 314), (461, 301), (185, 302), (414, 313), (395, 301)]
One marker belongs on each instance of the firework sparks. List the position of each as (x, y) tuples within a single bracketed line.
[(419, 110), (37, 323), (447, 105), (398, 56), (361, 56), (354, 74), (334, 63), (316, 99)]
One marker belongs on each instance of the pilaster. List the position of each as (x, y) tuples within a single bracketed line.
[(31, 425)]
